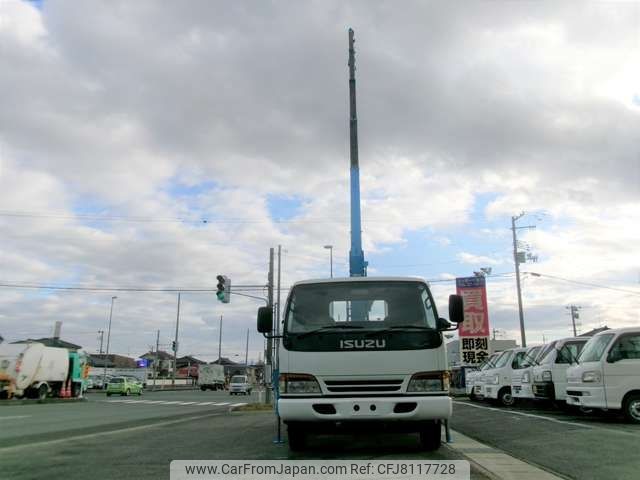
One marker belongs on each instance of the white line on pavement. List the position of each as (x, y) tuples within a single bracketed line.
[(206, 403), (237, 404), (15, 417), (187, 403), (220, 404), (541, 417)]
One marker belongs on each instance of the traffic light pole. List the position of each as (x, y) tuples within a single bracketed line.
[(175, 349), (269, 351)]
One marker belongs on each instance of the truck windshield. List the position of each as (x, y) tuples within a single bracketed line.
[(361, 315), (238, 379), (594, 348), (361, 305)]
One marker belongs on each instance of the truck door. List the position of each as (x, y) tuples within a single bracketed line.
[(567, 354), (622, 369)]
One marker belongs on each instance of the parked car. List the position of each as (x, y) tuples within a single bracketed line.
[(124, 386), (607, 375), (239, 385), (550, 375), (521, 377), (473, 376)]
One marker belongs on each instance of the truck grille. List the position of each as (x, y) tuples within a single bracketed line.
[(363, 386)]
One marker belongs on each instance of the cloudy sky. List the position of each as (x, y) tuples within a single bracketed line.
[(125, 125)]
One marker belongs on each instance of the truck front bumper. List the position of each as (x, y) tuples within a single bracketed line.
[(544, 390), (524, 390), (405, 409), (588, 397)]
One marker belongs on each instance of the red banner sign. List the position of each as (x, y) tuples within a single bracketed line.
[(476, 312)]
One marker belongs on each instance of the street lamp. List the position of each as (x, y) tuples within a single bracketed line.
[(104, 376), (330, 248)]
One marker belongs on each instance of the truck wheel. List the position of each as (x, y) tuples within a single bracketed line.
[(108, 394), (127, 393), (505, 398), (42, 392), (203, 388), (430, 436), (631, 408), (297, 438), (472, 397)]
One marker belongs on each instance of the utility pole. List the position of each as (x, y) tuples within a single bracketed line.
[(220, 342), (101, 332), (104, 375), (518, 258), (269, 351), (155, 360), (278, 311), (573, 309), (175, 348)]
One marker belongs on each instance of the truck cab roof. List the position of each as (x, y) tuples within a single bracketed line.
[(359, 279)]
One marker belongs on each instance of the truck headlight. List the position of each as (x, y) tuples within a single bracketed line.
[(298, 383), (496, 379), (591, 376), (429, 382), (546, 376), (526, 377)]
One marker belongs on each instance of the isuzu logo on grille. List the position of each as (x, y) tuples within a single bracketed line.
[(362, 344)]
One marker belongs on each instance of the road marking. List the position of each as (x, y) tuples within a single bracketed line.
[(172, 403), (237, 404), (187, 403), (220, 404), (110, 432), (541, 417), (15, 417), (206, 403)]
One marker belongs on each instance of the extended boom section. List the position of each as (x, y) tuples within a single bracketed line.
[(357, 264)]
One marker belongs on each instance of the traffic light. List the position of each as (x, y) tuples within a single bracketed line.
[(224, 289), (173, 346)]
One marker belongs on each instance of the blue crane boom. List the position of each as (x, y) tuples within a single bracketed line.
[(357, 264)]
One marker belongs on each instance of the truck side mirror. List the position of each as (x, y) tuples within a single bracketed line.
[(443, 324), (456, 309), (265, 320)]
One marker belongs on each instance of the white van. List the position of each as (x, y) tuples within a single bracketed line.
[(608, 373), (550, 375), (522, 379), (522, 374), (239, 384)]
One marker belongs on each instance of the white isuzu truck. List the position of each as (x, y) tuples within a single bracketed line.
[(363, 352)]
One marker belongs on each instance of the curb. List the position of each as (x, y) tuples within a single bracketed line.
[(494, 463)]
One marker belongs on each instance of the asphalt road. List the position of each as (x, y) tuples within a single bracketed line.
[(131, 437), (597, 446)]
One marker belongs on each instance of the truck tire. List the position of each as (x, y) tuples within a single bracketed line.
[(43, 390), (127, 392), (203, 388), (505, 398), (631, 408), (430, 434), (297, 437)]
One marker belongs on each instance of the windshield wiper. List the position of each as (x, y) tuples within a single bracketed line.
[(328, 327), (397, 327)]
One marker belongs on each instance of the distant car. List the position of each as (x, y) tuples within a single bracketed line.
[(124, 386), (239, 385)]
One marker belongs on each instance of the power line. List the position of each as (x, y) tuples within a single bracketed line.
[(587, 284), (126, 289)]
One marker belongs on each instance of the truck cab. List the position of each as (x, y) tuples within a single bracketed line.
[(550, 375), (473, 377), (363, 352), (607, 375), (496, 381), (521, 377)]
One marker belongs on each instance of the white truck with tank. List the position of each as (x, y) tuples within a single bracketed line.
[(607, 375), (363, 352), (550, 375), (34, 370), (211, 377)]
